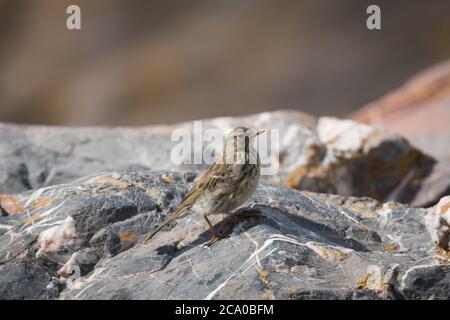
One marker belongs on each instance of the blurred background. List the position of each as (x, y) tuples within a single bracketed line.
[(145, 62)]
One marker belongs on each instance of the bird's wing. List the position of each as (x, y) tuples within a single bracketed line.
[(214, 175)]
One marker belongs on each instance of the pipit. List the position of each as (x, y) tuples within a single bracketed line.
[(226, 184)]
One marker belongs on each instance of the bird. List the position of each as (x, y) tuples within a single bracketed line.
[(227, 183)]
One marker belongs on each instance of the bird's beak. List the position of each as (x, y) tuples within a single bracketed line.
[(259, 132)]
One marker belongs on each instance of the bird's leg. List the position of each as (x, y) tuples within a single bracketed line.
[(214, 235)]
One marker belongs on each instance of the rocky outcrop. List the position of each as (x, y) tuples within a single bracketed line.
[(321, 155), (83, 240)]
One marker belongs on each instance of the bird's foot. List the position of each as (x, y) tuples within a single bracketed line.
[(233, 220), (227, 226), (216, 236), (212, 241)]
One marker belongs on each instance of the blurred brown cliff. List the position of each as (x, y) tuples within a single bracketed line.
[(143, 62), (418, 110)]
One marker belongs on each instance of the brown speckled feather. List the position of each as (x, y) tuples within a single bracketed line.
[(214, 176)]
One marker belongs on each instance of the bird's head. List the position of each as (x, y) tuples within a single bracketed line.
[(239, 145), (242, 132)]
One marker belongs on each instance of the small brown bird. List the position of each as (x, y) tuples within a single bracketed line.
[(226, 184)]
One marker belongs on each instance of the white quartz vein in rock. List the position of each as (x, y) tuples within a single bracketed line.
[(348, 216), (46, 220), (254, 255), (256, 259)]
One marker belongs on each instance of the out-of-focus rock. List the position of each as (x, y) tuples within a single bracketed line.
[(438, 223), (419, 110), (362, 161), (322, 155), (292, 245)]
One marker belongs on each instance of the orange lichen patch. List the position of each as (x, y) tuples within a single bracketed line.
[(332, 254), (10, 204), (309, 193), (390, 247), (387, 205), (263, 274), (92, 192), (43, 202), (138, 184), (152, 193), (362, 209), (126, 236), (328, 253), (362, 282), (267, 294), (445, 207), (289, 290), (372, 281), (295, 177), (31, 219), (168, 179), (110, 181), (393, 205)]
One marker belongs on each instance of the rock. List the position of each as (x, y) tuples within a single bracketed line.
[(403, 110), (321, 155), (362, 161), (283, 244), (438, 223), (84, 258), (25, 280), (433, 281)]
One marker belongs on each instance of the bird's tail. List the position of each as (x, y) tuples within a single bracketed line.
[(178, 213), (157, 230)]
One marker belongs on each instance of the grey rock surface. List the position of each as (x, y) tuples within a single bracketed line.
[(83, 240), (325, 155)]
